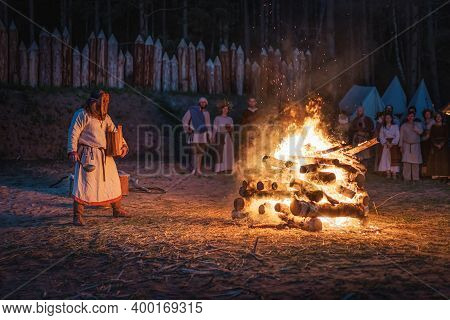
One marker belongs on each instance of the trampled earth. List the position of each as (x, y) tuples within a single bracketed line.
[(183, 244)]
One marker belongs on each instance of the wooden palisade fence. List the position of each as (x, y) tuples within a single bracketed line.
[(51, 61)]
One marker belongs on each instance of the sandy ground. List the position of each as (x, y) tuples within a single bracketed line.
[(184, 244)]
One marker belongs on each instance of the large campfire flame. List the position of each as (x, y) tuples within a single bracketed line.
[(308, 179)]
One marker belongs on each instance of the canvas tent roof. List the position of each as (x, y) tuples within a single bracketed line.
[(421, 100), (368, 97), (395, 96)]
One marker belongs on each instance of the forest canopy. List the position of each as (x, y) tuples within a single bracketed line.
[(338, 33)]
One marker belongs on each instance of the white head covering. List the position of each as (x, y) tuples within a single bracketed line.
[(202, 99)]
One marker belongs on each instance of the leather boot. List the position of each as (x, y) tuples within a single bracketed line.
[(118, 211), (78, 210)]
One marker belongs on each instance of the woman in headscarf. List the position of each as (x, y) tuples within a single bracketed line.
[(96, 180), (438, 159), (222, 136)]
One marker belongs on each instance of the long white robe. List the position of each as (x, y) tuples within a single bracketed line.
[(87, 136), (393, 133), (225, 159)]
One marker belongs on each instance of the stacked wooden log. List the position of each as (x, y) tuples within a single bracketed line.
[(53, 60), (314, 190)]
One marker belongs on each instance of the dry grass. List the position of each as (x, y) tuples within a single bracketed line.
[(183, 244)]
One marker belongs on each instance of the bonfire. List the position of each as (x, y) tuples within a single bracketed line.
[(307, 178)]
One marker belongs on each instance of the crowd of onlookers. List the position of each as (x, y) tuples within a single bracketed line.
[(408, 146), (413, 147)]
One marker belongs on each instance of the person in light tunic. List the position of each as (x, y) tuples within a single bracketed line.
[(87, 146), (409, 144), (222, 136), (197, 125), (389, 139)]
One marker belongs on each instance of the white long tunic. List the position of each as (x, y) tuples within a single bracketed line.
[(410, 142), (386, 133), (225, 159), (197, 137), (87, 136)]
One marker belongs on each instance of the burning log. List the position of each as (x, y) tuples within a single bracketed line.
[(362, 146), (341, 210), (239, 204), (346, 192), (331, 200), (358, 178), (308, 224), (235, 214), (313, 167), (322, 177), (271, 161), (305, 209), (307, 189), (263, 208), (302, 208), (282, 208)]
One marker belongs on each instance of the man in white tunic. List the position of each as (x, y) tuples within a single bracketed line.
[(87, 148), (197, 125), (409, 143)]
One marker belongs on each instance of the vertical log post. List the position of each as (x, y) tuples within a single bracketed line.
[(138, 61), (225, 63), (210, 76), (120, 70), (13, 45), (233, 67), (85, 66), (157, 66), (174, 74), (264, 61), (113, 50), (165, 73), (67, 65), (129, 64), (271, 75), (148, 62), (192, 72), (277, 69), (283, 80), (23, 64), (3, 53), (33, 65), (290, 82), (183, 66), (248, 76), (240, 71), (218, 76), (102, 56), (302, 75), (308, 70), (45, 59), (76, 68), (92, 41), (296, 69), (56, 58), (256, 79), (201, 67)]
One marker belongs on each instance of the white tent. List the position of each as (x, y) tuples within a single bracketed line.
[(396, 97), (367, 97), (421, 100)]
